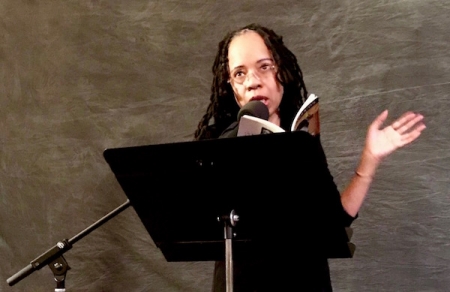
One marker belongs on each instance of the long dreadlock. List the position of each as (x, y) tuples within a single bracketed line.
[(223, 109)]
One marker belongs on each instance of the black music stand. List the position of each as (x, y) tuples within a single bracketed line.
[(179, 190)]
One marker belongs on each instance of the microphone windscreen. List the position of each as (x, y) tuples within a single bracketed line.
[(254, 108)]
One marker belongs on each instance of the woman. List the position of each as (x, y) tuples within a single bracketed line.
[(253, 63)]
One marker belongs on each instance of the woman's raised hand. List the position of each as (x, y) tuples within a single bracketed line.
[(380, 142)]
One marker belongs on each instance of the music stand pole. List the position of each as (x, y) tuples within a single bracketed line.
[(229, 222)]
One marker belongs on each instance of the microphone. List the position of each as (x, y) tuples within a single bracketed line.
[(253, 108)]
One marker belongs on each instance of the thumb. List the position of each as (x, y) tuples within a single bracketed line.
[(380, 119)]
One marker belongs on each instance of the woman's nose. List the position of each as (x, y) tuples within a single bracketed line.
[(252, 80)]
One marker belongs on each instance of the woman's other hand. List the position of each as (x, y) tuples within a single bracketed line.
[(380, 142)]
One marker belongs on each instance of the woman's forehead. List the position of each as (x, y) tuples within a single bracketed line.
[(247, 47)]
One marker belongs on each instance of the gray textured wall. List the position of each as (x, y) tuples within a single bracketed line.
[(77, 77)]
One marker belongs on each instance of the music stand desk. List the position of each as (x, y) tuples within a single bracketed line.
[(178, 190)]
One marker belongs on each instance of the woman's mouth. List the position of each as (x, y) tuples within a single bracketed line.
[(261, 98)]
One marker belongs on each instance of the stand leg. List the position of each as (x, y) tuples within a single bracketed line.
[(229, 265)]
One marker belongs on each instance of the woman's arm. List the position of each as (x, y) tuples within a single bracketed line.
[(379, 144)]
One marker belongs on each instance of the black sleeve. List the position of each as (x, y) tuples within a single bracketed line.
[(342, 214)]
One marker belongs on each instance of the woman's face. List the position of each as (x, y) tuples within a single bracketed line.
[(253, 73)]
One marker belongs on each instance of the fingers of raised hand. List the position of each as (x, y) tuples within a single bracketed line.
[(411, 136), (407, 122), (409, 126)]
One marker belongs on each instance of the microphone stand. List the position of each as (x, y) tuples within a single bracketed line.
[(54, 256)]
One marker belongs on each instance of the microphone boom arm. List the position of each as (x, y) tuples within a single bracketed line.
[(54, 256)]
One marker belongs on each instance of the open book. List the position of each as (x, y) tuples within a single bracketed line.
[(306, 119)]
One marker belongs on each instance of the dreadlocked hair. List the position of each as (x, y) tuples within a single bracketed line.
[(223, 108)]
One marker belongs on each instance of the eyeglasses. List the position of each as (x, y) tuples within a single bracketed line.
[(263, 70)]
